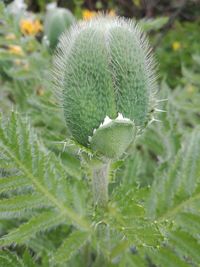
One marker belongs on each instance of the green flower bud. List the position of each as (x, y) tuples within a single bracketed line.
[(104, 67), (56, 22)]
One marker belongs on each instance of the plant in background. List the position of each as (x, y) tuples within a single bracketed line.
[(105, 73), (87, 14), (15, 49), (30, 26), (177, 49), (57, 20)]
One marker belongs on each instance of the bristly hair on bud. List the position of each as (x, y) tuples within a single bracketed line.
[(103, 67)]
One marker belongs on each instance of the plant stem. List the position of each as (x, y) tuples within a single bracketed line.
[(100, 184)]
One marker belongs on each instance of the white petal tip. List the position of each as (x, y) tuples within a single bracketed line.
[(120, 117)]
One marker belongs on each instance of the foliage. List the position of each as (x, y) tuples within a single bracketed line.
[(45, 198), (186, 36), (47, 215), (127, 8), (56, 22)]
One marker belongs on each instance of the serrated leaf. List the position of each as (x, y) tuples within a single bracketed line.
[(18, 206), (12, 183), (70, 246), (8, 259), (185, 245), (39, 223), (191, 76), (167, 258), (20, 145), (119, 249), (130, 260), (189, 222), (178, 188), (28, 260), (173, 203)]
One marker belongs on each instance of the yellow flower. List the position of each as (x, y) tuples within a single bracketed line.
[(30, 27), (38, 26), (112, 13), (15, 50), (87, 14), (176, 46), (10, 36)]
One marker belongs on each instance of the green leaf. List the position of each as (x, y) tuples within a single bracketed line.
[(12, 183), (39, 223), (179, 189), (189, 222), (70, 246), (41, 168), (28, 260), (18, 206), (167, 258), (191, 76), (9, 259), (173, 203), (129, 260), (119, 249), (153, 24), (185, 245)]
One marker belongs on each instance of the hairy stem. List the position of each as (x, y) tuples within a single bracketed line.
[(100, 184)]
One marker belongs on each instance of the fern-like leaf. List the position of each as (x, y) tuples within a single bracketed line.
[(167, 258), (189, 222), (8, 259), (12, 183), (186, 246), (50, 197), (70, 246), (132, 261), (18, 206), (173, 204), (179, 189), (24, 232)]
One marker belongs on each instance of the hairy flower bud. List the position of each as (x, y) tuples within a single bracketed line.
[(104, 67), (56, 22)]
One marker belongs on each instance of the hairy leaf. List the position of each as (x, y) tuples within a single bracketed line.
[(179, 188), (70, 246), (18, 205), (39, 223), (50, 186), (9, 259)]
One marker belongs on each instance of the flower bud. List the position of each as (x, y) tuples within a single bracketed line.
[(56, 22), (104, 67)]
